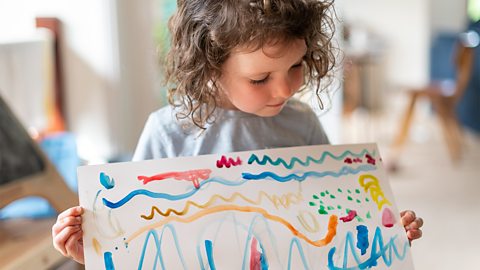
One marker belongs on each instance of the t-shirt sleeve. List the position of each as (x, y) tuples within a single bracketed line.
[(148, 144), (318, 135)]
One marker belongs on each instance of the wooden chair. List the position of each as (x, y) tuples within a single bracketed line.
[(443, 103)]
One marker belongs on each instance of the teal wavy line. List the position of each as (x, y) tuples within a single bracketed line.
[(267, 159), (343, 171)]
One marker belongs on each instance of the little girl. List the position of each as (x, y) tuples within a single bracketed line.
[(234, 66)]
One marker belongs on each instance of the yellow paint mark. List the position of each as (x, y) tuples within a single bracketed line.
[(375, 190), (284, 201), (307, 226), (97, 246), (332, 223)]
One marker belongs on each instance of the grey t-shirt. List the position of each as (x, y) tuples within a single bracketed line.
[(232, 131)]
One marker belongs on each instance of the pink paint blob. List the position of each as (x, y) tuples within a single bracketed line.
[(388, 219), (351, 215)]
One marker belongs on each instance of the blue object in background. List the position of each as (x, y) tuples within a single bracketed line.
[(61, 149), (468, 108)]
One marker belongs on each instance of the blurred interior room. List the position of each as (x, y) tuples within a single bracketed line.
[(78, 80)]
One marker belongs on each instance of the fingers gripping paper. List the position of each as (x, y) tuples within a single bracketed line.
[(312, 207)]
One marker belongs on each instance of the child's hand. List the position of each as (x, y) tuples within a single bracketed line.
[(412, 224), (67, 234)]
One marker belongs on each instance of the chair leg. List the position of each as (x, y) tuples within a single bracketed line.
[(405, 127), (451, 129)]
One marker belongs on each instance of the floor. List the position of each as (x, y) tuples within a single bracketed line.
[(444, 194)]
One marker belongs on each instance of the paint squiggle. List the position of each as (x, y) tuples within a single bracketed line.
[(167, 196), (158, 242), (343, 171), (304, 223), (283, 200), (332, 223), (192, 176), (267, 159), (228, 162), (375, 190), (300, 251), (379, 249)]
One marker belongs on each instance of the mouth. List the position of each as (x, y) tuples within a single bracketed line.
[(277, 105)]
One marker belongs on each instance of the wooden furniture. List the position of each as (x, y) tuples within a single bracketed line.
[(27, 244), (443, 103)]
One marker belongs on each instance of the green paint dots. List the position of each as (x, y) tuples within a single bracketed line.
[(312, 203), (359, 219), (349, 198), (322, 194), (357, 191), (349, 191), (358, 201), (367, 200), (322, 211), (327, 192), (339, 190), (315, 197), (339, 206), (321, 202), (369, 216), (332, 196), (330, 208), (347, 210)]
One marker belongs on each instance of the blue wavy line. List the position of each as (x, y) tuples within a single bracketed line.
[(300, 251), (343, 171), (295, 243), (158, 242), (167, 196), (374, 255), (267, 159)]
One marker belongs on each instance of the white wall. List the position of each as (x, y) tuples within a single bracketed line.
[(407, 27), (107, 86), (404, 26), (448, 15)]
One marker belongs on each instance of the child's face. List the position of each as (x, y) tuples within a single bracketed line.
[(261, 82)]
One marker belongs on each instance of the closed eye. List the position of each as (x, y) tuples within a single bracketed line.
[(297, 65), (262, 81)]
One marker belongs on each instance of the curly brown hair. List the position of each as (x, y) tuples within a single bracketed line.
[(204, 32)]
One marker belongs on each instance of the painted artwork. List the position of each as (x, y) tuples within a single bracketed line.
[(310, 207)]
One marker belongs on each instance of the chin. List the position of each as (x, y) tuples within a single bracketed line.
[(269, 112)]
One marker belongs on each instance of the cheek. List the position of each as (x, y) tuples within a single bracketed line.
[(298, 79)]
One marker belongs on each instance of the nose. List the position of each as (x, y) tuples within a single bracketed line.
[(282, 89)]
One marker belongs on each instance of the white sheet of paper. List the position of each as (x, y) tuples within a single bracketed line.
[(309, 207)]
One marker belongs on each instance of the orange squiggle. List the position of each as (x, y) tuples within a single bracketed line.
[(284, 200), (332, 223)]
